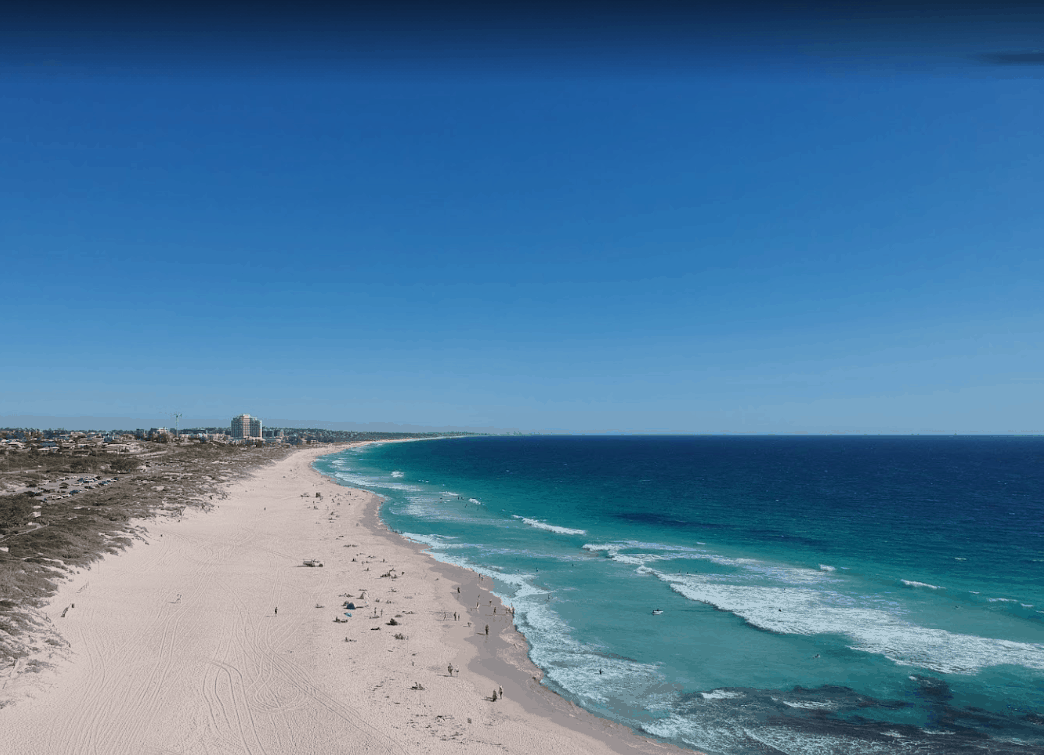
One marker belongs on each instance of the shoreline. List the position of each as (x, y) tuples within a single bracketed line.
[(210, 635), (504, 655)]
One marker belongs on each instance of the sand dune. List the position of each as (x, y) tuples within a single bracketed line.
[(176, 645)]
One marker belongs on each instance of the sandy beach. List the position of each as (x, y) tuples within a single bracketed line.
[(211, 636)]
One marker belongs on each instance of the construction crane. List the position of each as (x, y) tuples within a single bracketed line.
[(176, 416)]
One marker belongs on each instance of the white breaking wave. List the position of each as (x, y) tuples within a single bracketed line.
[(475, 501), (431, 508), (434, 541), (634, 559), (711, 731), (666, 553), (825, 567), (551, 527), (869, 629), (912, 583), (720, 694), (808, 704), (397, 473), (785, 740), (784, 574), (355, 479)]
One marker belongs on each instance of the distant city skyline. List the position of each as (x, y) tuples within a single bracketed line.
[(104, 424), (101, 423)]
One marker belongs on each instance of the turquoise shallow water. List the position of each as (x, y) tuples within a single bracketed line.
[(818, 594)]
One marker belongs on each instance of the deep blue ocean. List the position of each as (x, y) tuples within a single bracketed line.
[(818, 594)]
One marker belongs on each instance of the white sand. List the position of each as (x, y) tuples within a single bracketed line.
[(175, 646)]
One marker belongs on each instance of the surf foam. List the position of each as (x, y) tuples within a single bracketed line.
[(878, 630), (551, 527), (913, 583)]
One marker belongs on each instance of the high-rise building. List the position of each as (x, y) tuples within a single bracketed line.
[(245, 426)]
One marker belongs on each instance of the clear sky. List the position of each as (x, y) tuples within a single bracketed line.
[(657, 222)]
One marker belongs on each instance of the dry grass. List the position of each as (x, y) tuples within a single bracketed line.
[(75, 531)]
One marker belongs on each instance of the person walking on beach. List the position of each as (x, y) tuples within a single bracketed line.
[(277, 611), (487, 630)]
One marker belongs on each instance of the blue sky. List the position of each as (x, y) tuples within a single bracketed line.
[(749, 243)]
